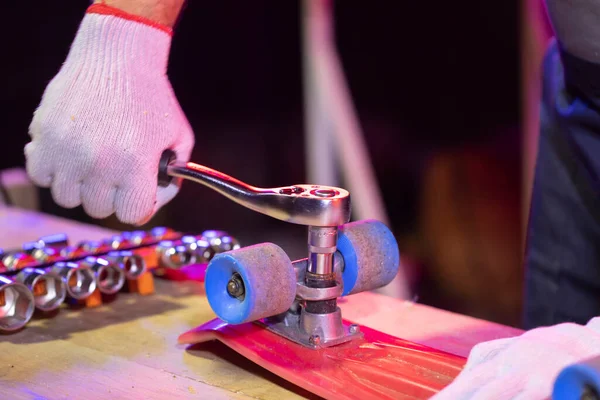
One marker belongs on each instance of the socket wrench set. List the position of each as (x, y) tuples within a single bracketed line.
[(45, 274)]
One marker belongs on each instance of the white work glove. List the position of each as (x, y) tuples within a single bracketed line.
[(105, 119), (524, 367)]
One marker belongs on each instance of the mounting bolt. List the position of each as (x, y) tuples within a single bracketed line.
[(589, 393), (354, 328), (235, 286), (315, 340)]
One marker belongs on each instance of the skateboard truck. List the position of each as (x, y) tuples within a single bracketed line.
[(295, 300)]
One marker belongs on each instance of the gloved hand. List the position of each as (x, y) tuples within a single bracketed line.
[(106, 117), (526, 366)]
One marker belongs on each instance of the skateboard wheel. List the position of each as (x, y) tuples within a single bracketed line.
[(250, 283), (578, 381), (370, 253)]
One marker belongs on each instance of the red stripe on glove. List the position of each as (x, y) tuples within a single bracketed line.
[(104, 9)]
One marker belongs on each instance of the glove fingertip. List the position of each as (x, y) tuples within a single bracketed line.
[(135, 206), (39, 172)]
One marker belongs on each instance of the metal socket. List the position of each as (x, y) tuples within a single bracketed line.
[(90, 246), (79, 279), (68, 252), (138, 237), (16, 305), (200, 250), (159, 232), (229, 243), (174, 255), (56, 241), (49, 290), (14, 261), (116, 242), (221, 241), (44, 254), (213, 236), (132, 265), (109, 277), (135, 238)]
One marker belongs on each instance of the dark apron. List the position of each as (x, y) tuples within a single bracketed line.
[(562, 259)]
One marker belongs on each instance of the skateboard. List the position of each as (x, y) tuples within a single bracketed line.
[(283, 315)]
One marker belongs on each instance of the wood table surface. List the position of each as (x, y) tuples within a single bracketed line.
[(127, 349)]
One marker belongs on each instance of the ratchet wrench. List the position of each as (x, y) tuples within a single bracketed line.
[(302, 204)]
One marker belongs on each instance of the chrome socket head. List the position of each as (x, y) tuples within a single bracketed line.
[(132, 265), (200, 249), (40, 251), (49, 290), (56, 241), (90, 246), (116, 242), (44, 254), (68, 251), (174, 255), (229, 243), (136, 238), (14, 261), (159, 232), (109, 277), (221, 241), (79, 279), (17, 305)]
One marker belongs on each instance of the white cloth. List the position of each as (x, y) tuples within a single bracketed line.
[(105, 119), (524, 367)]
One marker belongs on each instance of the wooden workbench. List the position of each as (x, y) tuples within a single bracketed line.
[(128, 348)]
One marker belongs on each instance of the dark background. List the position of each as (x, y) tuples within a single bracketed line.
[(428, 79)]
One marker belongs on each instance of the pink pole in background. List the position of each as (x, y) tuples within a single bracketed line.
[(535, 34)]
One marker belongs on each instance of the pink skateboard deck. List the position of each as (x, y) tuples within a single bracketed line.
[(377, 366)]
